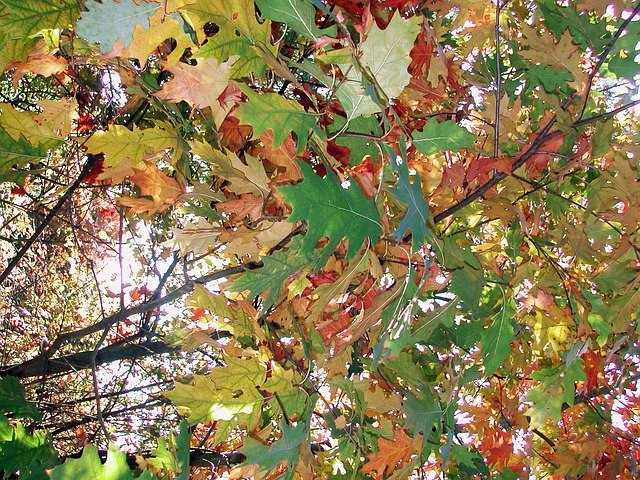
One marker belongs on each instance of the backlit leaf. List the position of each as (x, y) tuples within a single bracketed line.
[(107, 22), (440, 136)]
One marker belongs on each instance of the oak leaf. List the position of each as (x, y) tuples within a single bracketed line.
[(390, 454), (200, 85), (284, 156), (163, 190), (146, 40), (331, 210)]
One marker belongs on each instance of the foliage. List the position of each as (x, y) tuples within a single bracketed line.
[(319, 239)]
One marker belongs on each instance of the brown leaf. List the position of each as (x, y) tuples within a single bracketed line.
[(247, 205), (284, 156)]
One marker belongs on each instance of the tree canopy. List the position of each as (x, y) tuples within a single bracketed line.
[(319, 239)]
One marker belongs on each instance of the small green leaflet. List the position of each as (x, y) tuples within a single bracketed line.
[(298, 14), (89, 467), (12, 400), (173, 455), (107, 22), (440, 136), (276, 269), (331, 211), (270, 111), (496, 340), (418, 216), (285, 449)]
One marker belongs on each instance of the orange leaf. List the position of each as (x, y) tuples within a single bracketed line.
[(163, 190), (390, 453), (284, 156)]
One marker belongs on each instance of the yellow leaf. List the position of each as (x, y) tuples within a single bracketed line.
[(126, 148), (23, 125), (58, 115), (249, 178), (197, 238), (119, 145), (162, 27)]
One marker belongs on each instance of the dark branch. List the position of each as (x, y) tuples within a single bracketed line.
[(41, 365)]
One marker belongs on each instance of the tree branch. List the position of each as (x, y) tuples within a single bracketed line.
[(91, 161), (38, 363), (41, 365), (496, 178)]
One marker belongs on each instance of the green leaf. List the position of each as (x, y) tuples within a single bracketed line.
[(440, 136), (452, 256), (240, 34), (89, 467), (615, 277), (417, 217), (107, 22), (587, 34), (17, 153), (557, 387), (332, 211), (24, 450), (26, 18), (424, 328), (12, 400), (496, 340), (469, 461), (552, 79), (468, 283), (270, 111), (297, 14), (285, 449), (422, 413), (276, 270)]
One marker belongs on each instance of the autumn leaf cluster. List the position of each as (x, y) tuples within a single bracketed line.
[(408, 230)]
